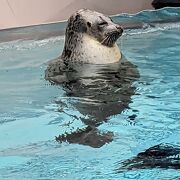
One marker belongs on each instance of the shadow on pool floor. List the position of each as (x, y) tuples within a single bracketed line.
[(159, 156)]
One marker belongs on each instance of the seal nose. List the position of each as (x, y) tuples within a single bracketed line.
[(120, 29)]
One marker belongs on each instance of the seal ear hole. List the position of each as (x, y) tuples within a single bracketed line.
[(89, 24)]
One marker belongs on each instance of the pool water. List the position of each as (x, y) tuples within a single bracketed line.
[(30, 119)]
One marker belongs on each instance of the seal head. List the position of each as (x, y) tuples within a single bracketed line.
[(91, 38)]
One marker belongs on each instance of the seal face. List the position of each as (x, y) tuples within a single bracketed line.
[(91, 38)]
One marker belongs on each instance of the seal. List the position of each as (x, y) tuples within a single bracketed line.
[(91, 38), (93, 72)]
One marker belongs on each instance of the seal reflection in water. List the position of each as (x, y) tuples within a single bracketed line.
[(92, 70)]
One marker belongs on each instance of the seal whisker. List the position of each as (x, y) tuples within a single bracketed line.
[(104, 40), (108, 40)]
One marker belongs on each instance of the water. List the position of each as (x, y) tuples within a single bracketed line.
[(30, 117)]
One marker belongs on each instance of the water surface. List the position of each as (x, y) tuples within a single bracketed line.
[(30, 117)]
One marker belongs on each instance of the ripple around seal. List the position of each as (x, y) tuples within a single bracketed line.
[(33, 112)]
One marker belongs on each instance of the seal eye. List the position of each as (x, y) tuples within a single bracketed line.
[(88, 24), (103, 23)]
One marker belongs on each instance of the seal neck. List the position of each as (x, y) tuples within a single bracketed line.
[(71, 47), (82, 48)]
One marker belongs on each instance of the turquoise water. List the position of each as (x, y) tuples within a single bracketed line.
[(30, 120)]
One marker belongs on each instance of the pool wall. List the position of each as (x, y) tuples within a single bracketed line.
[(18, 13)]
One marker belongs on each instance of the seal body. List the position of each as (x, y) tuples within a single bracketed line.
[(91, 38), (90, 71)]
